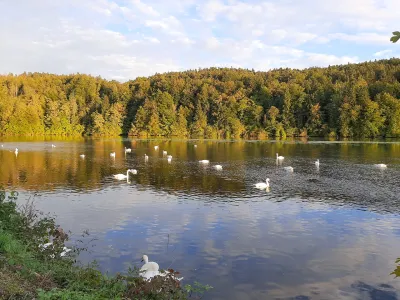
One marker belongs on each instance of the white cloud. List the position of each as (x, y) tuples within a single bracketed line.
[(145, 9), (382, 53), (190, 33)]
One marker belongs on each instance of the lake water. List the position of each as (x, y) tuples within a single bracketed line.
[(327, 233)]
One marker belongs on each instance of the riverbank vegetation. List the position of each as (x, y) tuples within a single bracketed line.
[(354, 100), (27, 271)]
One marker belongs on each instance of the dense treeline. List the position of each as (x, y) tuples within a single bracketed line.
[(354, 100)]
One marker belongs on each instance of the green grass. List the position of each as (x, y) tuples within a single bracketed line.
[(28, 272)]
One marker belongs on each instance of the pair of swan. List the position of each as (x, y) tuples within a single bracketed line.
[(62, 254), (152, 269), (123, 176)]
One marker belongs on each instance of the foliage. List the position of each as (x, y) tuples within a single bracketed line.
[(354, 100), (395, 37), (28, 271)]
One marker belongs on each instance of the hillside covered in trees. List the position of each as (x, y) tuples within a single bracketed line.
[(354, 100)]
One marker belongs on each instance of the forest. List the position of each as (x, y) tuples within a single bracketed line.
[(344, 101)]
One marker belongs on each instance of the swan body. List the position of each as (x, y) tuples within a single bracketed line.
[(155, 147), (82, 155), (262, 185), (218, 167), (204, 161), (317, 162), (279, 157), (152, 269), (381, 166), (112, 154), (128, 150), (65, 249), (123, 176), (149, 269), (289, 169)]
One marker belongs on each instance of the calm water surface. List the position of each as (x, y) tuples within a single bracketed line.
[(327, 233)]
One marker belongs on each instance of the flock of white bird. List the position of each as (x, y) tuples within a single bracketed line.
[(146, 158)]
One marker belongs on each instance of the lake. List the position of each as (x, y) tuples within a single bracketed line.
[(331, 232)]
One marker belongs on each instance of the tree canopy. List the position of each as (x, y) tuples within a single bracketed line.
[(353, 100)]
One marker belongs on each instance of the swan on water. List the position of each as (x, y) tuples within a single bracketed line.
[(65, 249), (195, 146), (112, 154), (123, 176), (169, 158), (289, 169), (149, 269), (53, 146), (164, 152), (204, 161), (16, 151), (152, 269), (155, 147), (262, 185), (317, 163), (381, 166), (82, 155), (2, 146), (279, 157), (218, 167), (128, 150), (146, 158)]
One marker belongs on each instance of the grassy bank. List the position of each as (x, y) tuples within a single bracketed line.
[(27, 271)]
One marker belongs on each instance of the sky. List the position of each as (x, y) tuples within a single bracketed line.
[(125, 39)]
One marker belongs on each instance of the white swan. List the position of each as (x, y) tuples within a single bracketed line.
[(16, 151), (317, 162), (155, 147), (146, 158), (169, 158), (123, 176), (151, 269), (204, 161), (279, 157), (2, 146), (381, 166), (262, 185), (128, 150), (164, 152), (195, 146), (65, 249), (112, 154), (289, 169), (53, 146), (218, 167), (82, 155)]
